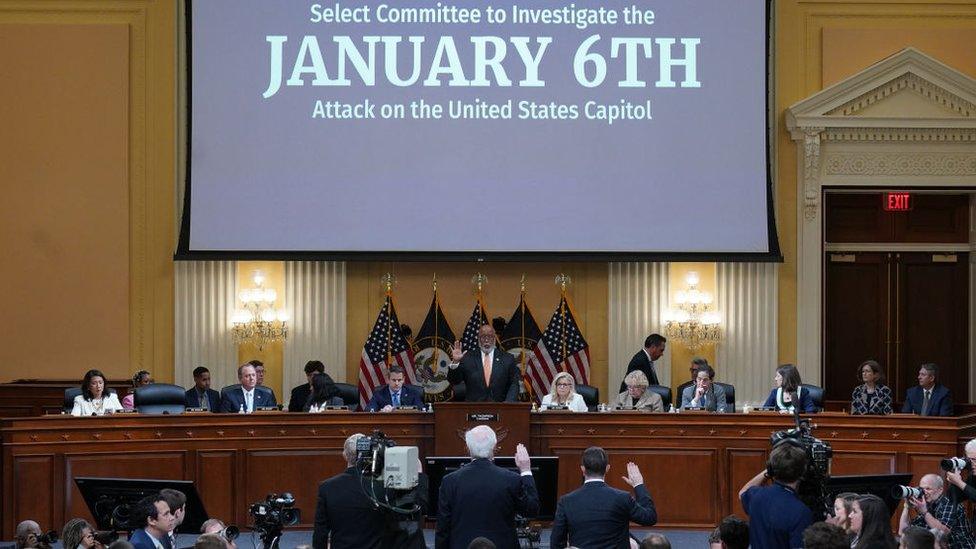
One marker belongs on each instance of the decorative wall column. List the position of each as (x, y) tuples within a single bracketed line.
[(638, 297), (809, 272), (205, 298), (747, 297), (315, 298)]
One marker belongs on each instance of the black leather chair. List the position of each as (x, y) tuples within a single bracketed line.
[(680, 391), (664, 392), (69, 397), (349, 394), (590, 394), (160, 398), (816, 394), (459, 391), (729, 395)]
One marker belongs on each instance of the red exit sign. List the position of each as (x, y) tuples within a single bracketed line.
[(897, 202)]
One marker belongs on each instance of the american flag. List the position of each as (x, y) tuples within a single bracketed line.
[(385, 347), (561, 348), (469, 338)]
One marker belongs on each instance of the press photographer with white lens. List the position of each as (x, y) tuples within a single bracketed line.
[(936, 511), (961, 490)]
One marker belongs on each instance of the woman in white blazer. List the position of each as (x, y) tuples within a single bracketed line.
[(94, 400), (562, 392)]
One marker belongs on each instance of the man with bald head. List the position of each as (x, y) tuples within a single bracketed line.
[(936, 511), (488, 373), (248, 396), (481, 499)]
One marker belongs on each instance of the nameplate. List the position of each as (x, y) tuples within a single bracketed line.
[(483, 416), (266, 408), (406, 408), (556, 407), (693, 409), (192, 409), (342, 408), (624, 408), (766, 409)]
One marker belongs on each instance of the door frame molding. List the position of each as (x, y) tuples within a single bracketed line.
[(847, 137)]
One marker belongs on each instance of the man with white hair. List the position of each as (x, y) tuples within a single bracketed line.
[(482, 499), (936, 511), (960, 490), (27, 534), (349, 517)]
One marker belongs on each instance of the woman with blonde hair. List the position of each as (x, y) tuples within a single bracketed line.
[(637, 396), (563, 393)]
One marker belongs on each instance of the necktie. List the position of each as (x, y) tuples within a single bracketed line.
[(248, 402), (487, 363), (204, 402), (925, 401), (396, 399)]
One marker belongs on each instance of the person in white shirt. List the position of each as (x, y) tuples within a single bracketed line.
[(247, 397), (563, 393), (94, 400)]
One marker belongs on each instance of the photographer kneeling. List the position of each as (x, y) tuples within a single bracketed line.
[(348, 517), (936, 511)]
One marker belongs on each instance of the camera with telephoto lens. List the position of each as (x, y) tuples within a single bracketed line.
[(106, 537), (230, 533), (905, 492), (49, 538), (272, 515), (953, 465)]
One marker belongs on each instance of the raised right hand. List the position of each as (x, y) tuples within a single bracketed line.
[(456, 352), (634, 477)]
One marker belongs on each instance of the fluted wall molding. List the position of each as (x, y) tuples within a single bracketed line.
[(205, 296), (746, 296), (315, 298), (638, 298)]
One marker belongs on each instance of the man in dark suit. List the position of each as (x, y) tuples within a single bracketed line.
[(928, 398), (248, 396), (644, 359), (488, 373), (201, 395), (597, 515), (482, 499), (346, 514), (152, 520), (395, 393), (300, 394)]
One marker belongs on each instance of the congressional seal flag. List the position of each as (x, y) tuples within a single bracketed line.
[(562, 348), (385, 347), (519, 338), (433, 344)]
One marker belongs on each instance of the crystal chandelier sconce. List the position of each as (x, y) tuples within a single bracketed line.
[(692, 322), (259, 322)]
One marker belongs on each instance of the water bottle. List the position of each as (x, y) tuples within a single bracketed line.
[(242, 409)]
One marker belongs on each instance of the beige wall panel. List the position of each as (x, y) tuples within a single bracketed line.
[(64, 217)]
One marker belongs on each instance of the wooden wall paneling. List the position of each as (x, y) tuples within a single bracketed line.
[(299, 472), (32, 474), (163, 464), (920, 464), (743, 464), (849, 462), (215, 481)]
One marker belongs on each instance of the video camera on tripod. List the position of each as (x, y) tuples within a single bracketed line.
[(272, 515), (812, 489), (378, 457)]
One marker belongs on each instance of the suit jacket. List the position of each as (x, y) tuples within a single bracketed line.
[(212, 396), (82, 407), (715, 400), (649, 399), (481, 499), (940, 404), (299, 396), (806, 401), (597, 516), (233, 398), (410, 395), (641, 362), (345, 513), (140, 539), (504, 383)]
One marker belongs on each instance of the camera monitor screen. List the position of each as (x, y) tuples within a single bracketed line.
[(539, 129), (878, 485), (111, 500), (544, 470)]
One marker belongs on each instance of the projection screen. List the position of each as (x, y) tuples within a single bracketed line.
[(463, 129)]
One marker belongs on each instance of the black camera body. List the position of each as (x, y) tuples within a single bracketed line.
[(812, 489), (49, 538), (272, 515), (370, 453)]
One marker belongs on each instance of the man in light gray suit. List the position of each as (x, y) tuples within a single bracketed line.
[(704, 393)]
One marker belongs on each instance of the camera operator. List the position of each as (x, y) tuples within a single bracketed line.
[(938, 512), (347, 515), (961, 490), (777, 517)]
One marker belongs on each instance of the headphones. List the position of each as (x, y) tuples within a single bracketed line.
[(771, 471)]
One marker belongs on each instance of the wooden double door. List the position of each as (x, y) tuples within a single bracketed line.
[(901, 309)]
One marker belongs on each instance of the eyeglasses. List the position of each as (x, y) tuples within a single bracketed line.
[(564, 385)]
